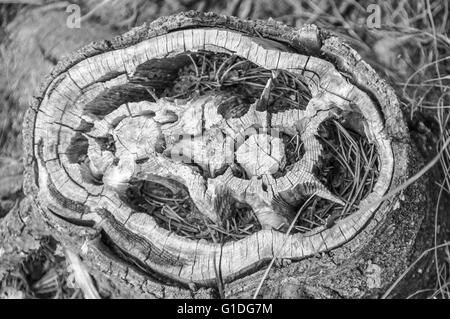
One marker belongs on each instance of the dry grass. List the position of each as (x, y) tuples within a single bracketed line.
[(172, 208), (349, 170)]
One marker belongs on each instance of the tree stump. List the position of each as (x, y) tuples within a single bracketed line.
[(190, 152)]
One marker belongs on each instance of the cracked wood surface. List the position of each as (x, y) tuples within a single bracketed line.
[(63, 190)]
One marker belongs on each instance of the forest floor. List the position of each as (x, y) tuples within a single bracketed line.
[(410, 47)]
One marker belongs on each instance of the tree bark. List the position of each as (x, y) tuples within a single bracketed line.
[(358, 256)]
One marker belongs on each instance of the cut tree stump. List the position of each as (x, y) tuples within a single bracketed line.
[(142, 109)]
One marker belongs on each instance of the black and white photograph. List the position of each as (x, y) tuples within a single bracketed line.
[(238, 152)]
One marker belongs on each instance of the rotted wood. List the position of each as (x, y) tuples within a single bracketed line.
[(100, 124)]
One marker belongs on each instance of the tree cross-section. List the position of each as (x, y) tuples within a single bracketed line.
[(103, 123)]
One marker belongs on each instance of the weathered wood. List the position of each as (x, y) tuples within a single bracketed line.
[(66, 158)]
